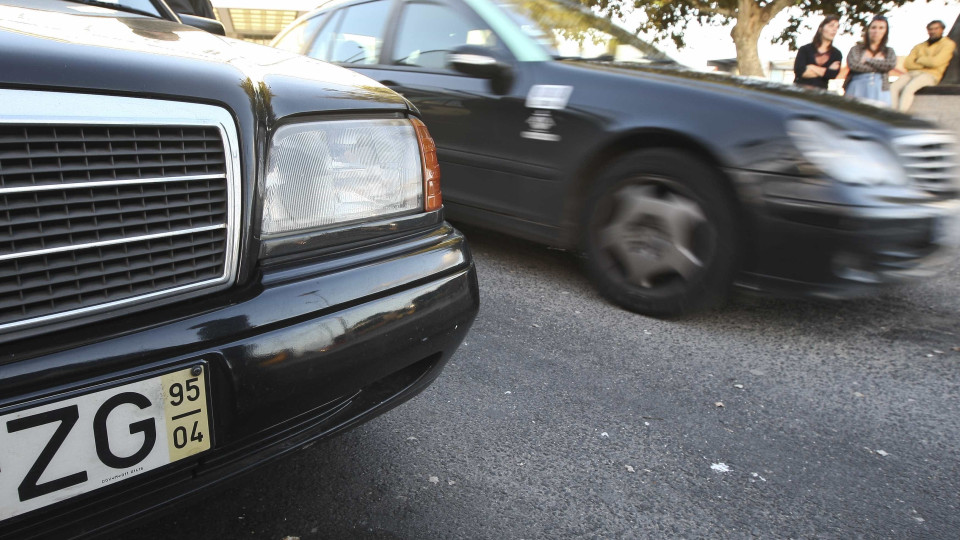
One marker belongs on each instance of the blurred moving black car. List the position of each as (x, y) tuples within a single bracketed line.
[(555, 125), (212, 254)]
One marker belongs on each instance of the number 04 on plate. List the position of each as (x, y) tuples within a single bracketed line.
[(56, 451)]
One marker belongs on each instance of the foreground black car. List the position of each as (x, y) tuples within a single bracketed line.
[(211, 254), (673, 183)]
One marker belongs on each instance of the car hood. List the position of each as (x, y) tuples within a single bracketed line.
[(789, 99), (65, 46)]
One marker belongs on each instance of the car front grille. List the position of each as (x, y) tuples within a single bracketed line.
[(930, 160), (94, 216)]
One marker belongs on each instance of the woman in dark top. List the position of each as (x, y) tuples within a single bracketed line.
[(819, 61), (870, 63)]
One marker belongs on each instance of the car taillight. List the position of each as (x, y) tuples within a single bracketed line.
[(432, 198)]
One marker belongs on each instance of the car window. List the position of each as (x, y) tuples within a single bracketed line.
[(298, 37), (428, 31), (141, 6), (523, 47), (569, 30), (321, 44), (360, 34)]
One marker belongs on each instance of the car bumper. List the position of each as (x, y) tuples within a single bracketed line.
[(312, 351), (816, 247)]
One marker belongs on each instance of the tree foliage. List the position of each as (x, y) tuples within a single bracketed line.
[(852, 14), (668, 19), (556, 22)]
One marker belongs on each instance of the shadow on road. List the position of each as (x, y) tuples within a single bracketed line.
[(566, 416), (933, 323)]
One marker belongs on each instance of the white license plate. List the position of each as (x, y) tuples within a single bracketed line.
[(62, 449)]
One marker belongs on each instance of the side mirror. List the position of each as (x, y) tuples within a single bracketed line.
[(209, 25), (482, 63)]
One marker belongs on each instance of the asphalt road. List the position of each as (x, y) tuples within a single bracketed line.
[(563, 416)]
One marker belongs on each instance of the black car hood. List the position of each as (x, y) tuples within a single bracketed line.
[(789, 98), (63, 46)]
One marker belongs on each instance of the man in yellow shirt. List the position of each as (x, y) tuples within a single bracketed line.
[(925, 66)]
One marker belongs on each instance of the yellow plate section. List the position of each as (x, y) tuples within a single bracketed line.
[(185, 409)]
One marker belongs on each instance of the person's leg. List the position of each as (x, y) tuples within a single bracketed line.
[(896, 87), (885, 97), (918, 82)]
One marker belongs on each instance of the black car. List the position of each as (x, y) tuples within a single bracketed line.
[(212, 254), (555, 125)]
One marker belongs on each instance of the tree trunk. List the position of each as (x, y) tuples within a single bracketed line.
[(746, 34)]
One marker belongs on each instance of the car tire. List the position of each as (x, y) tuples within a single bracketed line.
[(660, 233)]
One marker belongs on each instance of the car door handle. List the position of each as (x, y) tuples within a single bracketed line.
[(389, 83)]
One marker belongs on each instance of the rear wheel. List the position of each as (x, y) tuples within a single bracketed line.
[(660, 233)]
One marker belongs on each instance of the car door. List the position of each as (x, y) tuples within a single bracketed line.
[(468, 120), (495, 153)]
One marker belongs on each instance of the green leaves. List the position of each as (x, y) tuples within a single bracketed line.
[(668, 19)]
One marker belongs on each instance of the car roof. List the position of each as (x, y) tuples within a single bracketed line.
[(329, 4)]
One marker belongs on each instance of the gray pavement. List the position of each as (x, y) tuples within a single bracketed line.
[(563, 416)]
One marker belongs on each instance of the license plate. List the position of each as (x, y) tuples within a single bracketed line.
[(63, 449)]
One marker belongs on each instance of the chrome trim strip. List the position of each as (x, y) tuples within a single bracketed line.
[(293, 243), (925, 138), (94, 309), (932, 168), (921, 154), (931, 176), (931, 165), (48, 108), (78, 247), (111, 183), (472, 59)]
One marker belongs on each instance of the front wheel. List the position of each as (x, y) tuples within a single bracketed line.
[(660, 233)]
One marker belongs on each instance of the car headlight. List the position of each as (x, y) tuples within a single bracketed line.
[(852, 161), (327, 173)]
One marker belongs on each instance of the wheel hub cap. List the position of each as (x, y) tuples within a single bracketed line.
[(651, 234)]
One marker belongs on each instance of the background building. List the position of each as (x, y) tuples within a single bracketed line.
[(258, 20)]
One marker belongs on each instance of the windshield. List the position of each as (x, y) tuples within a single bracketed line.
[(143, 7), (569, 30)]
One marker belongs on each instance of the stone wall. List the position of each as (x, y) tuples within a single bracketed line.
[(943, 110), (941, 104), (952, 75)]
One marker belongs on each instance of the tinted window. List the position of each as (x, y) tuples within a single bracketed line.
[(321, 45), (427, 32), (297, 38), (571, 30), (142, 5), (360, 34)]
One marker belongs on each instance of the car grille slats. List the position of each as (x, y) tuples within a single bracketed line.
[(98, 231), (92, 153), (157, 252), (144, 268), (74, 216), (52, 273), (930, 160), (32, 156), (44, 234), (102, 215), (18, 174), (38, 133), (35, 200)]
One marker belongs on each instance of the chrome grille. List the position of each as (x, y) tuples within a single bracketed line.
[(95, 216), (930, 160)]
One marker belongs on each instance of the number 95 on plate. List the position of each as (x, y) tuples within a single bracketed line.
[(59, 450)]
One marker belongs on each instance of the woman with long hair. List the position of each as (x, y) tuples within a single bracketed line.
[(819, 61), (870, 62)]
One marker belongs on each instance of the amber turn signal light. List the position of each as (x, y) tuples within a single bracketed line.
[(432, 199)]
